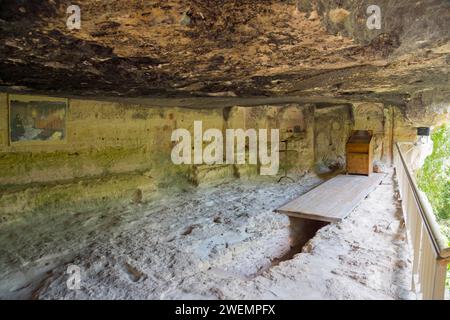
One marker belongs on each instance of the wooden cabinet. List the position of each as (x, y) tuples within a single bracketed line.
[(360, 153)]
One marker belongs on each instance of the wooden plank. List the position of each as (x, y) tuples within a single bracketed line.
[(333, 200)]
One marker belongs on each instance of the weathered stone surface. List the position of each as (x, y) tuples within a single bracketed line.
[(241, 48), (121, 152), (241, 64)]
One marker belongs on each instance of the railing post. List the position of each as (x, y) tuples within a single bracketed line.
[(440, 274), (417, 235)]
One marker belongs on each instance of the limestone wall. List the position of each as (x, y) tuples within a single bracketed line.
[(296, 125), (114, 152), (333, 127)]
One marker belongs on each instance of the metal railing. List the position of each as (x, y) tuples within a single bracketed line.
[(430, 250)]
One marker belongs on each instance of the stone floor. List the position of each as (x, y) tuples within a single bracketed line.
[(221, 242)]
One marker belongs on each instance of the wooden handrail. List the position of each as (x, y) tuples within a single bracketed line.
[(439, 240), (430, 251)]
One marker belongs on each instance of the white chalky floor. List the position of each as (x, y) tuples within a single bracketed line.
[(209, 243)]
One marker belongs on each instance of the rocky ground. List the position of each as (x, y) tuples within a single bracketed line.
[(223, 242)]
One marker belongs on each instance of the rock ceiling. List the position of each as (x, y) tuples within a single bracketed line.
[(230, 48)]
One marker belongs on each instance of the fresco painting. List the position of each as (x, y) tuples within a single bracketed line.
[(37, 120)]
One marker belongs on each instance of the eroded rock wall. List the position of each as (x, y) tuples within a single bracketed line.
[(332, 129), (119, 152), (317, 49)]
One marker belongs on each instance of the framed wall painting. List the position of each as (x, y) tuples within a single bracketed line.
[(35, 119)]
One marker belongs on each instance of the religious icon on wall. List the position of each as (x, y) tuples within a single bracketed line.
[(37, 118)]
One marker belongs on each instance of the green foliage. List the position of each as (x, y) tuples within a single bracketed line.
[(447, 281), (434, 177)]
